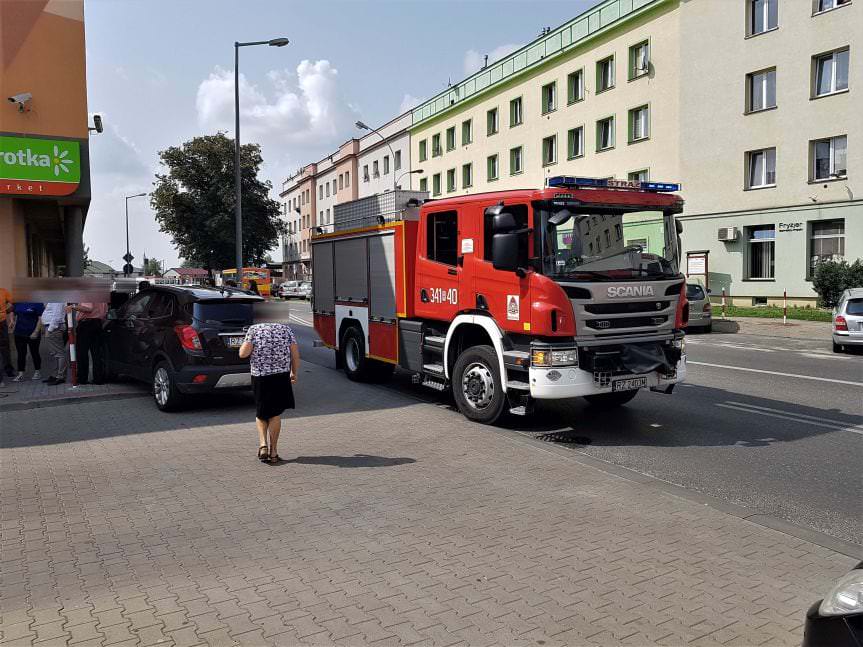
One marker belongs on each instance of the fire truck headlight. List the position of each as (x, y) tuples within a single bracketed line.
[(564, 357), (540, 358)]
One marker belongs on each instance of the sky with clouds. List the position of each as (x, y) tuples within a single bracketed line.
[(161, 72)]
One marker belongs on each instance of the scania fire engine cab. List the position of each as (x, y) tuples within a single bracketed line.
[(574, 290)]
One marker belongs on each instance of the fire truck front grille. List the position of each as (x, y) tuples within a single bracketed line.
[(601, 378), (626, 322), (631, 307)]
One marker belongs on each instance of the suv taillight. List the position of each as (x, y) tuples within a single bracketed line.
[(840, 323), (188, 337)]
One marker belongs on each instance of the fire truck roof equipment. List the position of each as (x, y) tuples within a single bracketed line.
[(572, 182)]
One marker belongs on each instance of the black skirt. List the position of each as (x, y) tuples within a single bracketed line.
[(273, 394)]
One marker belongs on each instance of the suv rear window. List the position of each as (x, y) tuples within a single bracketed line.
[(854, 307), (235, 313), (694, 292)]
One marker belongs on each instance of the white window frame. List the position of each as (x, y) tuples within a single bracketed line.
[(549, 97), (834, 68), (823, 6), (750, 16), (813, 259), (636, 176), (518, 104), (451, 186), (397, 160), (520, 151), (492, 119), (549, 150), (492, 160), (602, 65), (611, 133), (832, 173), (771, 257), (634, 119), (762, 91), (376, 169), (579, 151), (764, 181), (466, 175), (575, 80), (639, 53), (386, 164)]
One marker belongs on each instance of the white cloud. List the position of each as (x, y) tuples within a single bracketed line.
[(409, 101), (473, 60), (306, 109)]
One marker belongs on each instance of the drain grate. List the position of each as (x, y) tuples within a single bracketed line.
[(566, 438)]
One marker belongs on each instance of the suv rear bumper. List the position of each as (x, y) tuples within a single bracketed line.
[(216, 378)]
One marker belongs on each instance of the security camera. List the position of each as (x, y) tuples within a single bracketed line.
[(21, 99), (97, 124)]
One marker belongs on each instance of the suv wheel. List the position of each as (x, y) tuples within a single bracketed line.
[(165, 391), (477, 386), (610, 400)]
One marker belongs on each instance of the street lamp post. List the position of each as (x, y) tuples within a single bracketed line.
[(127, 268), (238, 208), (363, 126), (414, 172)]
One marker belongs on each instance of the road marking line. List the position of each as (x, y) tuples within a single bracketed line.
[(758, 370), (794, 413), (293, 317), (835, 427)]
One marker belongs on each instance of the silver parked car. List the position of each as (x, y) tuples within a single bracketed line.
[(700, 310), (848, 321)]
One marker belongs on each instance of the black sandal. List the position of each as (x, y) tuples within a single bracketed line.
[(265, 454), (275, 460)]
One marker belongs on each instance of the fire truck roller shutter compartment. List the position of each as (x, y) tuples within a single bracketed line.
[(323, 292), (383, 332), (352, 284)]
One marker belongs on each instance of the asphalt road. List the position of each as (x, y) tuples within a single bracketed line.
[(770, 423)]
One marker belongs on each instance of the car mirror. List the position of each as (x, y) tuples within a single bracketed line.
[(709, 291), (504, 252)]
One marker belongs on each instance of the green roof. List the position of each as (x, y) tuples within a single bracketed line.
[(583, 27)]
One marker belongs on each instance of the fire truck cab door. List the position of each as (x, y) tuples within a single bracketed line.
[(439, 272)]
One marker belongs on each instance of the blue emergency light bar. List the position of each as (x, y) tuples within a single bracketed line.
[(571, 182)]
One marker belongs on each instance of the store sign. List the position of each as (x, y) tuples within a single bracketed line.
[(790, 226), (31, 166)]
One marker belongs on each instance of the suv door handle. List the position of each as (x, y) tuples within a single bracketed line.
[(424, 296)]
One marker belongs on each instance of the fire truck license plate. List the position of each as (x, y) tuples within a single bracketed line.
[(629, 384)]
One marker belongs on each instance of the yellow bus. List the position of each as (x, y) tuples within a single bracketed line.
[(260, 275)]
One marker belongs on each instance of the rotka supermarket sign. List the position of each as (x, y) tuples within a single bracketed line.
[(46, 167)]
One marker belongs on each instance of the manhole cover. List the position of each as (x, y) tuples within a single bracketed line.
[(566, 437)]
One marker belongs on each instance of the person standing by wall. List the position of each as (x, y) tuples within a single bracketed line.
[(88, 337), (54, 320), (28, 336), (5, 351), (275, 362)]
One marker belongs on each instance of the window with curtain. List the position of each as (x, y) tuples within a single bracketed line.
[(761, 90), (761, 168), (491, 122), (829, 158), (826, 242), (761, 251), (605, 134), (831, 72), (763, 16), (492, 167), (575, 142), (575, 86)]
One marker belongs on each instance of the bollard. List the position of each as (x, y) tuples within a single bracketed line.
[(723, 303), (784, 307), (73, 357)]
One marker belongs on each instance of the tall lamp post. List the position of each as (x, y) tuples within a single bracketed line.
[(363, 126), (414, 172), (238, 209), (128, 268)]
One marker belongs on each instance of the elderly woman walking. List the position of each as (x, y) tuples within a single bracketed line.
[(275, 361)]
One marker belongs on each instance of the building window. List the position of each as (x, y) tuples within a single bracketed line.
[(341, 181), (397, 160), (442, 237), (829, 158), (761, 90), (575, 86), (763, 16), (424, 184), (450, 180), (549, 150), (826, 242), (827, 5), (605, 134), (515, 160), (436, 149), (515, 112), (466, 175), (450, 138), (491, 122), (321, 217), (761, 166), (492, 168), (830, 72), (321, 192), (637, 176), (605, 74), (423, 152), (328, 221), (466, 132), (347, 179), (386, 164), (365, 172), (761, 251), (436, 184), (639, 60), (639, 124), (327, 185), (575, 142), (549, 97), (376, 169), (334, 185)]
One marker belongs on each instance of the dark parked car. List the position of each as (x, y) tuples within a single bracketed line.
[(837, 620), (182, 340)]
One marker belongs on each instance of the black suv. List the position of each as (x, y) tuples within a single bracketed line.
[(181, 339)]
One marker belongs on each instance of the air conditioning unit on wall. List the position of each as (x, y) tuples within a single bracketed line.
[(727, 234)]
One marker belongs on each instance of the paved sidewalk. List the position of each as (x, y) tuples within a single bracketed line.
[(31, 394), (393, 522), (773, 327)]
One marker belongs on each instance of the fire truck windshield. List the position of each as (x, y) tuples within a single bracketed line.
[(607, 245)]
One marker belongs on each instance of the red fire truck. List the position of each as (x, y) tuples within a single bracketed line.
[(505, 298)]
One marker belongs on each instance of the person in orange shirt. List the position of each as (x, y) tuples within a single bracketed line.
[(5, 353)]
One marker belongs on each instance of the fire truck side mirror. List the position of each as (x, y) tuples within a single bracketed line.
[(679, 226), (504, 252)]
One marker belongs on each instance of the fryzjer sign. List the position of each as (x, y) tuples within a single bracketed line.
[(31, 166)]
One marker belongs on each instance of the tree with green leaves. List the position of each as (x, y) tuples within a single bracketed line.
[(194, 202), (153, 267)]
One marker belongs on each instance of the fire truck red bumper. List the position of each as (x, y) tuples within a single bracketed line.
[(559, 383)]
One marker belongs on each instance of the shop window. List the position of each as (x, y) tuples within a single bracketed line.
[(826, 242), (762, 242)]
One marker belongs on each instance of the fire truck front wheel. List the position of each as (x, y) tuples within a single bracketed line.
[(353, 355), (476, 385), (610, 400)]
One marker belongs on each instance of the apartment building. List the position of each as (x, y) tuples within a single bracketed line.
[(384, 159)]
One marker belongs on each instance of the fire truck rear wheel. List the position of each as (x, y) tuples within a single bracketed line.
[(353, 352), (610, 400), (477, 386)]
